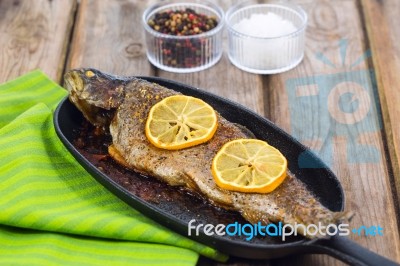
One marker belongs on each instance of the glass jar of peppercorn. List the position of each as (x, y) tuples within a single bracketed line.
[(183, 36)]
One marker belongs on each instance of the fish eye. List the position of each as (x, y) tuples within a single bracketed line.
[(89, 73)]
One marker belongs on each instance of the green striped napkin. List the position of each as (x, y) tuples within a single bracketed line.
[(52, 212)]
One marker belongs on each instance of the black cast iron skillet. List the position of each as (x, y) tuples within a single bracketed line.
[(174, 215)]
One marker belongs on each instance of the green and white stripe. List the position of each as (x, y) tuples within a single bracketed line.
[(52, 211), (28, 247)]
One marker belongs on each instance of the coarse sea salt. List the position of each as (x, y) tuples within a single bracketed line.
[(265, 26), (272, 46)]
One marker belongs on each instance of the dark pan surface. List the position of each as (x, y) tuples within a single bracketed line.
[(174, 207)]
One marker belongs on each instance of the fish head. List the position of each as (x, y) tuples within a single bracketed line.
[(95, 87), (95, 93)]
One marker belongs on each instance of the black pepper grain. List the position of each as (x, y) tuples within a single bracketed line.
[(183, 53)]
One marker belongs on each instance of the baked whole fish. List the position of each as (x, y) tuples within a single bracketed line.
[(122, 104)]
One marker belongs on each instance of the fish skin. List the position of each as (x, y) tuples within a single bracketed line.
[(290, 203)]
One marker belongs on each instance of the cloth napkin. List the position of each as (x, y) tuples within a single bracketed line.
[(52, 212)]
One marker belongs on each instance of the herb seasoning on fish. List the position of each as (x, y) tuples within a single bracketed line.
[(119, 98), (187, 52)]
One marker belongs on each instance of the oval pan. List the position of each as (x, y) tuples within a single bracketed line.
[(319, 179)]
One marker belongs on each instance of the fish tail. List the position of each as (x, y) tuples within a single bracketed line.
[(344, 217)]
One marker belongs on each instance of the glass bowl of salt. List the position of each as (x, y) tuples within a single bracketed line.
[(266, 37)]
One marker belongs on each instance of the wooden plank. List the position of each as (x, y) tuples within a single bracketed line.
[(34, 34), (112, 39), (381, 20), (306, 103)]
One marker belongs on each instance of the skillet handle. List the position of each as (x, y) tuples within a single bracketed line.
[(350, 252)]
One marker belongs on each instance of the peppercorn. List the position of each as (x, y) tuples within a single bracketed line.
[(183, 53), (174, 22)]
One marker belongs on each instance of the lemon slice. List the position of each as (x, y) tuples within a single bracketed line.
[(179, 122), (249, 165)]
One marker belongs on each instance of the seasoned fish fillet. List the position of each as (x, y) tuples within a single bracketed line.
[(124, 103)]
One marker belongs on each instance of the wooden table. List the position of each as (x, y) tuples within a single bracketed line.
[(62, 34)]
